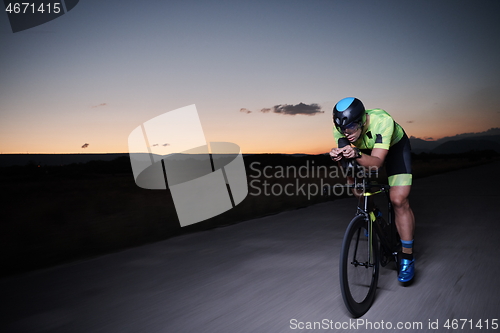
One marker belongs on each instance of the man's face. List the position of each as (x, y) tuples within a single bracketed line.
[(352, 131)]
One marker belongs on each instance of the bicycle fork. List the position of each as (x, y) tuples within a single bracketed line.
[(371, 256), (370, 218)]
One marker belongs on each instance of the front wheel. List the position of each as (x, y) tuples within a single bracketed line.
[(359, 267)]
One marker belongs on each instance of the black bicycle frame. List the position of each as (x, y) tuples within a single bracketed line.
[(366, 186)]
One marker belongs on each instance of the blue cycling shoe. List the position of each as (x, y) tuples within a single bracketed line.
[(406, 270)]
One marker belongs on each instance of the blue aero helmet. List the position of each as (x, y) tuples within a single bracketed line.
[(348, 113)]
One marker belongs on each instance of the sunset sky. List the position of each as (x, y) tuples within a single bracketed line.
[(99, 71)]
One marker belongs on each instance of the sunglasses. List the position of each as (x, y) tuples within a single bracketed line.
[(351, 128)]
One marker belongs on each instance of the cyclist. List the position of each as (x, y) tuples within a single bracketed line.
[(373, 138)]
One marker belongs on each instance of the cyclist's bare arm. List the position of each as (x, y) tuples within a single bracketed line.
[(376, 159)]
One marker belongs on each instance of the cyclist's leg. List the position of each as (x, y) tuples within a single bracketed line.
[(398, 164), (405, 220), (405, 224)]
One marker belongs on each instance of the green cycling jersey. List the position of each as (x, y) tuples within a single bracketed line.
[(382, 131)]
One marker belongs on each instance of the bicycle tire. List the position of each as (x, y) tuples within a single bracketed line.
[(358, 279)]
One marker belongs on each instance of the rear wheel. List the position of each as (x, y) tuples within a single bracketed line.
[(358, 272)]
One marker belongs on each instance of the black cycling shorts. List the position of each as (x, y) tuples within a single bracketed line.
[(398, 162)]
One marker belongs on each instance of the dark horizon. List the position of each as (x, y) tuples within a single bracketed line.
[(460, 143)]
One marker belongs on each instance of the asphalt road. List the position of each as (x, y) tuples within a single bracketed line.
[(277, 273)]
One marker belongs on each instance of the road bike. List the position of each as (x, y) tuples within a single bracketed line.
[(370, 241)]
